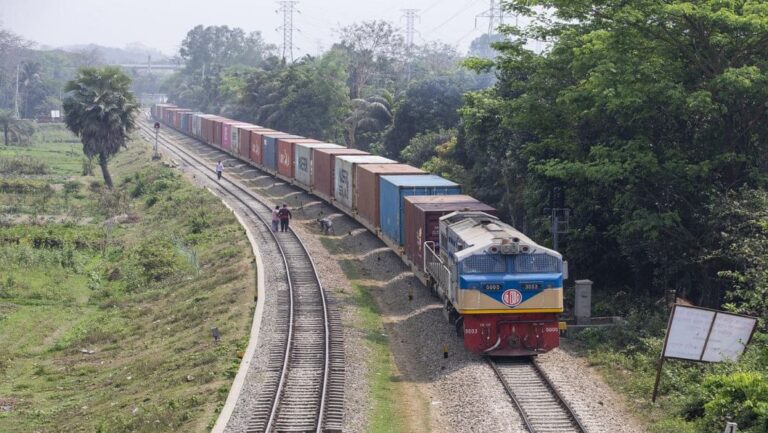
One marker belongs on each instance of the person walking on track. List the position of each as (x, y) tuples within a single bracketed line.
[(219, 170), (275, 218), (285, 218)]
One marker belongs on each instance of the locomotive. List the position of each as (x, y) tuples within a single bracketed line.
[(502, 291)]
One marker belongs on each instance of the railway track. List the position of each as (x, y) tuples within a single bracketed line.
[(303, 389), (541, 407)]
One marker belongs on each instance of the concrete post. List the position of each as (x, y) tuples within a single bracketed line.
[(583, 302)]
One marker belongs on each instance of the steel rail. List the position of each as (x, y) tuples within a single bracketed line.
[(179, 152), (547, 389)]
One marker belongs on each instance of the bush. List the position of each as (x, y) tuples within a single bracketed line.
[(741, 397), (72, 187), (157, 259), (23, 165)]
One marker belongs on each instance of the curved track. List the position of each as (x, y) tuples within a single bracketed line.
[(303, 387), (541, 407)]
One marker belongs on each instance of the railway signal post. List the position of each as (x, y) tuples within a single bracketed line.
[(155, 154)]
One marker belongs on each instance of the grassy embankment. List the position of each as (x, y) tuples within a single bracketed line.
[(694, 398), (106, 327)]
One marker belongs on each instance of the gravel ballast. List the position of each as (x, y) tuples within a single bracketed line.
[(458, 394)]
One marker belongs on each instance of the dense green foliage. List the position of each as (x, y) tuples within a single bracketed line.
[(652, 117), (647, 114), (369, 91), (101, 110)]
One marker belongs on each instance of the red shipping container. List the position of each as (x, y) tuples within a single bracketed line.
[(257, 145), (324, 167), (217, 131), (245, 140), (422, 219), (367, 187), (286, 154)]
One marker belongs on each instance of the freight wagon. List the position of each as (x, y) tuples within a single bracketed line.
[(501, 290)]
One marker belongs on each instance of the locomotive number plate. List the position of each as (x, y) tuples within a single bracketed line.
[(492, 287), (530, 286)]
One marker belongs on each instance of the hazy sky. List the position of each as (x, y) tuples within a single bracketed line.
[(162, 24)]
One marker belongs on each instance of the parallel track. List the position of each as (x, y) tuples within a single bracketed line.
[(541, 407), (303, 388)]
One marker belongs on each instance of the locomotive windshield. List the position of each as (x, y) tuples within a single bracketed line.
[(515, 264)]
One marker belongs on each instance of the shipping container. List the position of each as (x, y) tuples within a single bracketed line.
[(392, 193), (244, 137), (344, 176), (234, 133), (367, 187), (422, 219), (216, 138), (257, 144), (269, 148), (324, 166), (226, 134), (286, 154), (302, 172)]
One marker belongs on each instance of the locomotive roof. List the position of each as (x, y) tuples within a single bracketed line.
[(479, 230)]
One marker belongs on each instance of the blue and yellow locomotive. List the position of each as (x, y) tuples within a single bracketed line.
[(502, 290)]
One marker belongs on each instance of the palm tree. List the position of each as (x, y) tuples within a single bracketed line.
[(372, 114), (101, 110), (30, 76)]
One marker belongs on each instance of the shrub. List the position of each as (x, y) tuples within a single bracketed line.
[(157, 259), (72, 187), (741, 397)]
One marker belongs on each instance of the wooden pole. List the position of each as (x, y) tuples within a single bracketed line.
[(658, 378)]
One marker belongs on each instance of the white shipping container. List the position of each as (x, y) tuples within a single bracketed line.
[(344, 188), (303, 164)]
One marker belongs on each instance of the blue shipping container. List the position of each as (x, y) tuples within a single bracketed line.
[(269, 159), (393, 190)]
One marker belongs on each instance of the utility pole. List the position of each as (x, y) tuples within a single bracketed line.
[(287, 7), (16, 98), (495, 15), (410, 16)]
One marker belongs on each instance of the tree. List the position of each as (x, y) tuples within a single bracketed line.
[(101, 110), (373, 48), (29, 79), (427, 105), (222, 46), (372, 114), (14, 130), (644, 112)]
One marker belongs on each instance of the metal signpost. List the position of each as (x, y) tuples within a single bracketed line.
[(156, 155), (704, 335)]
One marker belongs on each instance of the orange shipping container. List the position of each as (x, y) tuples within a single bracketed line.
[(286, 154), (323, 168)]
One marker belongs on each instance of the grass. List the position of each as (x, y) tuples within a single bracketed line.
[(386, 411), (107, 328)]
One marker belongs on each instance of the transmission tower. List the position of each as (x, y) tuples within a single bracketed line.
[(287, 7), (495, 15), (410, 15)]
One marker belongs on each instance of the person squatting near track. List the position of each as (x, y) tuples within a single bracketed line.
[(285, 217), (219, 170), (275, 218)]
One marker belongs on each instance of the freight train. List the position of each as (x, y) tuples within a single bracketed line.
[(501, 290)]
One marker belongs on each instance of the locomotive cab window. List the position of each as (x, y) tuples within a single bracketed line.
[(535, 264), (484, 264)]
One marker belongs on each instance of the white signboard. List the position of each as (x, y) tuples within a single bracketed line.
[(700, 334), (55, 114)]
